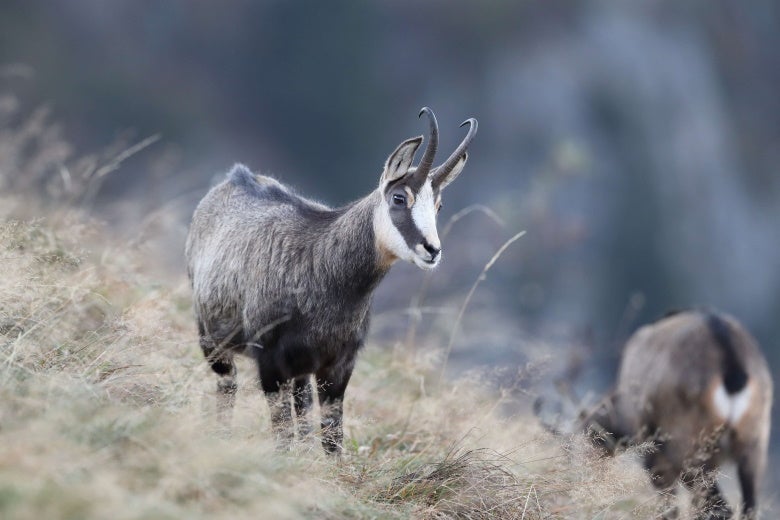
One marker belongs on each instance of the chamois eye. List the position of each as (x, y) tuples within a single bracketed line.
[(438, 209), (399, 200)]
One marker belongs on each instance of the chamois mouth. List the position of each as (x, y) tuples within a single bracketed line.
[(426, 263)]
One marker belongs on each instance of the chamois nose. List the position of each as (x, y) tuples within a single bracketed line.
[(433, 251)]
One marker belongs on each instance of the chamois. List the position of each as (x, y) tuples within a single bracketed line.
[(695, 384), (289, 281)]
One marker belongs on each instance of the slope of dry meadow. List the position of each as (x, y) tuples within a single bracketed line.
[(106, 412), (106, 406)]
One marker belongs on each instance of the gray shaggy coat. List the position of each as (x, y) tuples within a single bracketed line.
[(313, 288), (289, 281)]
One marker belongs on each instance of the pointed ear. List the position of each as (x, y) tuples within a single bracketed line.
[(400, 160), (442, 179)]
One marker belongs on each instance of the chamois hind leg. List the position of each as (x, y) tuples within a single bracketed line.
[(708, 500), (277, 390), (220, 358), (331, 385), (751, 459), (748, 484), (302, 398)]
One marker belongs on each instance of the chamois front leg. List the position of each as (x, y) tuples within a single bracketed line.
[(220, 359), (331, 385), (302, 399), (277, 392)]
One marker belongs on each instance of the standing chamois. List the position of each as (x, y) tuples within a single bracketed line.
[(289, 281), (696, 385)]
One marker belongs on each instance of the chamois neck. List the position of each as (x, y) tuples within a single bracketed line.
[(354, 261)]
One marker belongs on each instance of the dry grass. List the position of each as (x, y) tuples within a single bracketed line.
[(106, 412), (106, 405)]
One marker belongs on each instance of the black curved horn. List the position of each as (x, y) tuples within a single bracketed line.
[(444, 170), (424, 168)]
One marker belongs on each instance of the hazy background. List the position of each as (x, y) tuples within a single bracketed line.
[(637, 143)]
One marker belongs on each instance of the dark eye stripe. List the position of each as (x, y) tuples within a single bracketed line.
[(404, 223)]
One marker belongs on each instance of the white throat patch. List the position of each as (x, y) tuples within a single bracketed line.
[(388, 238)]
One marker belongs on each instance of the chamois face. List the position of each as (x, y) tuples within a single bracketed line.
[(405, 221)]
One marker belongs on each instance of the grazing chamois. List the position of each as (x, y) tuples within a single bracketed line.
[(289, 281), (696, 385)]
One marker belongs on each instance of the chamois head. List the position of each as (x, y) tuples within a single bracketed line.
[(405, 221)]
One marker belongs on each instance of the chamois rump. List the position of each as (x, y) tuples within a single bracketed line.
[(289, 281), (696, 384)]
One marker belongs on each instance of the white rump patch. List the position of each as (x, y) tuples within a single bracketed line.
[(731, 408)]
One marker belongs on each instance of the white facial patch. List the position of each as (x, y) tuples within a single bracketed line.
[(387, 235), (731, 408), (424, 215)]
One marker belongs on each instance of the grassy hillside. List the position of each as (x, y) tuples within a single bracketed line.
[(107, 412)]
